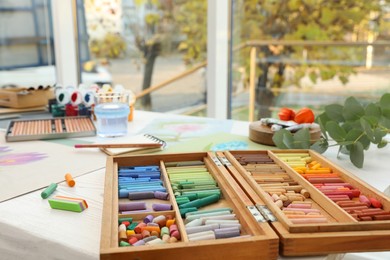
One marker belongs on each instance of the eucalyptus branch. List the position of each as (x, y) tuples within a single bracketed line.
[(352, 126)]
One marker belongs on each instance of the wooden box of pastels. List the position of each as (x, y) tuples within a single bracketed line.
[(238, 205)]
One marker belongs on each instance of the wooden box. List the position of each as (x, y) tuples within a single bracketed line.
[(266, 229), (23, 98)]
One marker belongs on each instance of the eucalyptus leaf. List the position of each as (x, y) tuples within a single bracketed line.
[(354, 135), (385, 122), (372, 120), (288, 140), (378, 135), (278, 138), (365, 142), (382, 144), (352, 109), (367, 129), (384, 102), (357, 155), (334, 112), (348, 126), (335, 131), (386, 112), (373, 110), (302, 139), (320, 146), (321, 121)]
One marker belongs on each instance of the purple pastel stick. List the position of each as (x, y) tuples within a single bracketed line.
[(148, 218), (128, 206), (227, 232), (134, 211), (139, 243), (141, 195), (161, 195), (161, 207)]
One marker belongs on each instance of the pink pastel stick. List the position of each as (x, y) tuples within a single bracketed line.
[(303, 210), (308, 220), (299, 205)]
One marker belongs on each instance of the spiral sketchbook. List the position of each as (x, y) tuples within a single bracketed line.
[(138, 139)]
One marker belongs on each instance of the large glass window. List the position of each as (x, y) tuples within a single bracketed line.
[(152, 44), (26, 43), (299, 53)]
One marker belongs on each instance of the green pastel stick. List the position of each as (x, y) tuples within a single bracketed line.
[(201, 186), (132, 226), (123, 243), (164, 231), (186, 169), (65, 205), (185, 211), (120, 220), (202, 193), (189, 196), (201, 202), (49, 190), (182, 201)]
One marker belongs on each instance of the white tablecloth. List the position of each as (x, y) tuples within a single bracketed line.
[(30, 229)]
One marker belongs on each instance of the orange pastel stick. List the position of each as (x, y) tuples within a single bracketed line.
[(69, 180), (151, 228), (320, 175)]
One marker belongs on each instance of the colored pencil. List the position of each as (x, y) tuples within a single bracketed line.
[(146, 145)]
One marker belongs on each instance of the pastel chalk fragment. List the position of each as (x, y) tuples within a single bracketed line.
[(68, 203)]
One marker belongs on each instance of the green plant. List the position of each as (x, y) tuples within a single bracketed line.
[(111, 46), (352, 126)]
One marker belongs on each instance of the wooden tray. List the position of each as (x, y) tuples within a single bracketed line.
[(270, 231), (342, 233), (262, 242), (262, 134)]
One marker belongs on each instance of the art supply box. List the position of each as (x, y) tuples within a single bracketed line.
[(23, 98), (245, 182), (49, 128)]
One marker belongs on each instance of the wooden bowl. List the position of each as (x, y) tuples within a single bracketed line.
[(262, 134)]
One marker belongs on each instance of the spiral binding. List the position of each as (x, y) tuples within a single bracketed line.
[(156, 139)]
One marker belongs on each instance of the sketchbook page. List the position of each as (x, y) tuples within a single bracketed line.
[(217, 142), (32, 165), (137, 139)]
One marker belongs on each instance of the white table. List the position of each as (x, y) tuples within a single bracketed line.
[(30, 229)]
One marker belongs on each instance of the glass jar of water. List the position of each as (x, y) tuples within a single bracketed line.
[(112, 111)]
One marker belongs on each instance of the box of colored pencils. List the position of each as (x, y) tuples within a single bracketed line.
[(50, 128), (68, 203)]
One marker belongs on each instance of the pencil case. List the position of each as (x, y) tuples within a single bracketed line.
[(49, 128)]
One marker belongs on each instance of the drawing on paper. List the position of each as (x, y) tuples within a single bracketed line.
[(185, 129), (11, 159)]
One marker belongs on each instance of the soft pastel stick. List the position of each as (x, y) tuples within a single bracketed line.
[(69, 180), (67, 204), (129, 206), (49, 190)]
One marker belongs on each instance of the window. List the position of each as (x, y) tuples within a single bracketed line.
[(307, 53)]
